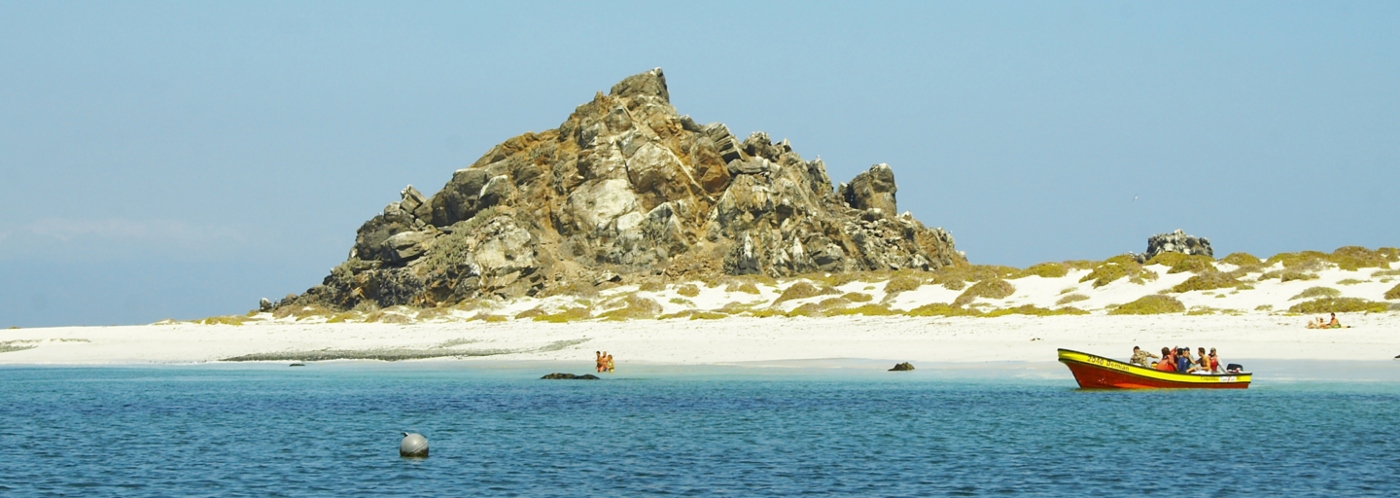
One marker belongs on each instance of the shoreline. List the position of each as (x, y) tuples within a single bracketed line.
[(728, 341)]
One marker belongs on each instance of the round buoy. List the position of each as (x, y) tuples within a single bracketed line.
[(414, 445)]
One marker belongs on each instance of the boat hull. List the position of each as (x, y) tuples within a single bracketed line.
[(1097, 372)]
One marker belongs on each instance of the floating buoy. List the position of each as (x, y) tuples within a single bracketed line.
[(414, 445)]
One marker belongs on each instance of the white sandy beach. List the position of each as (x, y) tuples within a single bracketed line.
[(1241, 324)]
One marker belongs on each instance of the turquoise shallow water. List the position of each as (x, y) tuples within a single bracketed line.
[(333, 429)]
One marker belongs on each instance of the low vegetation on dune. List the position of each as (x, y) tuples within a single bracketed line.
[(223, 320), (1242, 259), (990, 289), (902, 283), (865, 310), (1034, 311), (1393, 293), (942, 309), (632, 307), (1117, 267), (957, 276), (565, 316), (1071, 298), (1154, 304), (1317, 291), (1339, 305), (1179, 263), (688, 290), (1206, 281), (1043, 270), (802, 290)]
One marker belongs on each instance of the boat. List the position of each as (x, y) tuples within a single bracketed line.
[(1097, 372)]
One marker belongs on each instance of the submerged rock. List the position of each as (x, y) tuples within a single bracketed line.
[(568, 376), (626, 188)]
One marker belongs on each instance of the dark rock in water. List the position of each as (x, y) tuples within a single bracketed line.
[(626, 189), (1177, 242), (902, 367), (569, 376), (297, 365)]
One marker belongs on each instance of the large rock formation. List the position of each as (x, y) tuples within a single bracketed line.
[(1177, 242), (627, 187)]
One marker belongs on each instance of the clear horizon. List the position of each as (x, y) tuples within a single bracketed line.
[(169, 160)]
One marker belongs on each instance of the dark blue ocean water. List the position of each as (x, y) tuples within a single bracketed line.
[(333, 429)]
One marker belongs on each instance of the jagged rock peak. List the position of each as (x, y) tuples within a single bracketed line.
[(626, 188), (651, 83), (1177, 242)]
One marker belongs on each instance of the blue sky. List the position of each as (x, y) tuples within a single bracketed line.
[(183, 159)]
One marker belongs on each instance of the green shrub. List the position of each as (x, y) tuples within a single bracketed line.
[(1155, 304), (575, 314), (1350, 281), (345, 317), (902, 283), (1386, 273), (1264, 307), (1080, 264), (1194, 264), (1043, 270), (1167, 259), (865, 309), (1241, 259), (651, 286), (833, 302), (634, 308), (301, 312), (1202, 310), (1206, 281), (857, 297), (744, 287), (802, 290), (1393, 293), (733, 308), (990, 289), (1339, 305), (1305, 261), (1072, 298), (1291, 275), (1034, 311), (706, 315), (530, 313), (942, 309), (1355, 257), (488, 318), (688, 290), (682, 301), (1143, 277), (1113, 269), (954, 277), (223, 320), (806, 309), (1317, 292)]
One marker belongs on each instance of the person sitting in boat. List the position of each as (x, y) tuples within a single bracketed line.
[(1168, 364), (1201, 365), (1214, 362), (1183, 359), (1140, 357)]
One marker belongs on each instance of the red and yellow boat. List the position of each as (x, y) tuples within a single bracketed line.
[(1097, 372)]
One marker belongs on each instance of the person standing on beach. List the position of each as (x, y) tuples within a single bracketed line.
[(1140, 357)]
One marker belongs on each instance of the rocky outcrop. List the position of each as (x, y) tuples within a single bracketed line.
[(627, 188), (903, 367), (1177, 242)]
